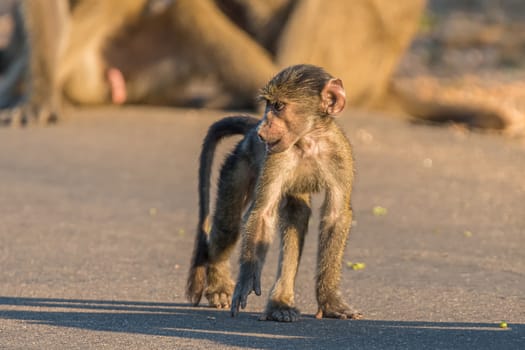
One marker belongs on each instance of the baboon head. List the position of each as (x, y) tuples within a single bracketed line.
[(298, 100)]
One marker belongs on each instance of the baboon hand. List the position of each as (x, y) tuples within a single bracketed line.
[(249, 280), (26, 114)]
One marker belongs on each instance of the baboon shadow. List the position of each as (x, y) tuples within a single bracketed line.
[(184, 321)]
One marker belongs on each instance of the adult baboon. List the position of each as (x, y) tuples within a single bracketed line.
[(72, 52), (119, 51)]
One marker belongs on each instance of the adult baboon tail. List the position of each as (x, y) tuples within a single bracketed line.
[(229, 126)]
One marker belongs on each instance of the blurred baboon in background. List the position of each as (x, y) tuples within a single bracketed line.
[(194, 53)]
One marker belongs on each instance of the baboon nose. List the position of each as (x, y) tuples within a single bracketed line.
[(261, 138)]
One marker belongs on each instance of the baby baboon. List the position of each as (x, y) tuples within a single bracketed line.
[(295, 150)]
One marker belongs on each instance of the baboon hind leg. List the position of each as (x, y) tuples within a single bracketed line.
[(335, 227), (235, 187)]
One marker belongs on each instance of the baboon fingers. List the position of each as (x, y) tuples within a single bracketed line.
[(25, 115), (342, 314), (249, 280), (214, 301), (285, 316), (220, 300), (240, 299), (195, 299), (357, 316), (235, 305), (257, 283), (194, 296), (224, 300), (332, 314), (319, 314), (11, 117), (354, 315), (338, 315), (281, 314), (195, 284)]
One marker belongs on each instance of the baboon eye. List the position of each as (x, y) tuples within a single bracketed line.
[(278, 106)]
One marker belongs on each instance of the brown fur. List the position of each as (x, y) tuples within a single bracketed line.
[(63, 54), (188, 53), (35, 73), (296, 149), (67, 52)]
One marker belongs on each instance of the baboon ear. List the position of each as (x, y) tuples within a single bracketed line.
[(333, 97)]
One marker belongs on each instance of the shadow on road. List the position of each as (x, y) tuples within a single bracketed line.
[(184, 321)]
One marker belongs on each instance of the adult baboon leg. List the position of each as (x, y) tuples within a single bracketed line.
[(10, 85), (235, 182), (13, 62), (335, 227), (240, 63), (294, 216), (45, 24), (263, 20)]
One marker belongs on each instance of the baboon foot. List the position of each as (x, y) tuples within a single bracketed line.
[(280, 313), (220, 286), (219, 295), (25, 115), (336, 308)]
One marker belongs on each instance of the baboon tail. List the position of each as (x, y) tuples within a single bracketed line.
[(228, 126), (473, 116)]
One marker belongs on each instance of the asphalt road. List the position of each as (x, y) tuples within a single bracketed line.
[(98, 216)]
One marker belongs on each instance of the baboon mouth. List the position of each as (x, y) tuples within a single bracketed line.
[(270, 145)]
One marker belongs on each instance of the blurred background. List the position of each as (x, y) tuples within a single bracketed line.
[(469, 37), (470, 52), (444, 61)]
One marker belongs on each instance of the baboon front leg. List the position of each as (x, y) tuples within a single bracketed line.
[(258, 231), (335, 227), (294, 216), (234, 187)]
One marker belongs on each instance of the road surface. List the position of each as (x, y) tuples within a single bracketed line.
[(98, 218)]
